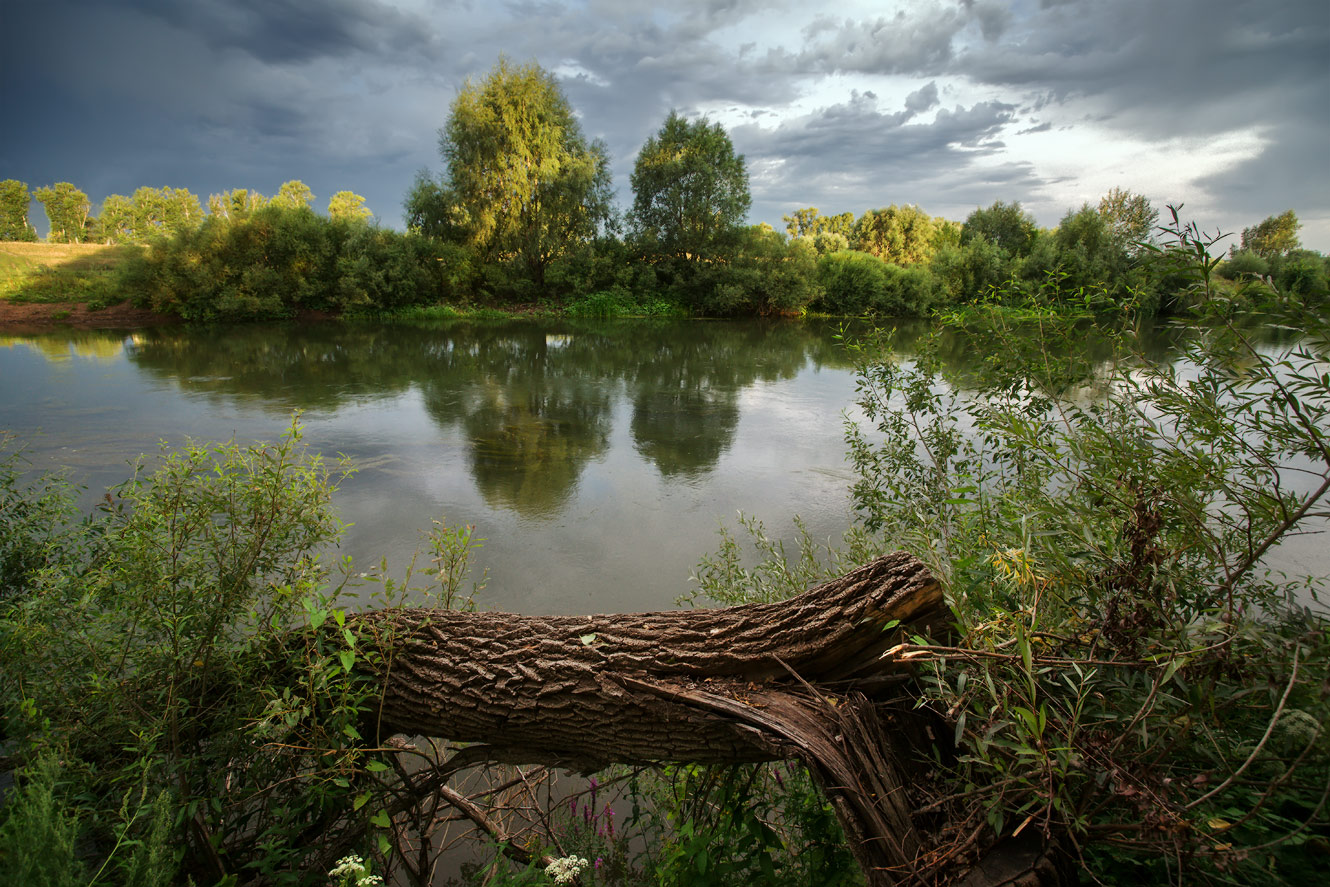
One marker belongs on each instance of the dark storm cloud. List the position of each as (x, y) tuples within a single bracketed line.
[(213, 94), (854, 156), (279, 31)]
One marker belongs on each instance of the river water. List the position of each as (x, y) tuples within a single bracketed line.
[(598, 459)]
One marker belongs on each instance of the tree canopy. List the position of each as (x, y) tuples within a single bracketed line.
[(294, 194), (14, 201), (522, 179), (1130, 218), (690, 188), (348, 205), (67, 209), (1275, 236), (1005, 225), (902, 235)]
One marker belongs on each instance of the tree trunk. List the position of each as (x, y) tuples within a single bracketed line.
[(802, 678)]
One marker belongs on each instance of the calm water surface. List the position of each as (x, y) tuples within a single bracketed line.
[(598, 460)]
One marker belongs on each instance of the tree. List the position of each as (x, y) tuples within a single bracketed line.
[(589, 691), (1276, 236), (1005, 225), (523, 180), (903, 235), (1130, 218), (690, 188), (348, 205), (235, 205), (67, 209), (294, 194), (115, 223), (809, 222), (14, 200)]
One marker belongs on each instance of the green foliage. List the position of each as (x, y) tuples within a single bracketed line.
[(36, 524), (151, 212), (1242, 264), (1130, 219), (294, 194), (39, 832), (349, 206), (67, 210), (235, 205), (14, 202), (1004, 225), (1273, 236), (810, 222), (858, 283), (522, 180), (690, 190), (1123, 656), (901, 235), (968, 272), (275, 261), (1303, 272), (184, 693)]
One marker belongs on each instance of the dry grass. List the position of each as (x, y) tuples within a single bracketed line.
[(59, 272)]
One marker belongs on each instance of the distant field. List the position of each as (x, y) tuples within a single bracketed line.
[(60, 272)]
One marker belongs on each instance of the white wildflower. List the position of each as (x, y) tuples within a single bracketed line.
[(354, 866), (564, 870)]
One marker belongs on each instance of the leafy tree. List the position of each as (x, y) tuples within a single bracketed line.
[(294, 194), (115, 223), (348, 205), (900, 234), (1276, 236), (164, 212), (1005, 225), (1088, 251), (809, 223), (1130, 218), (14, 201), (690, 188), (235, 205), (151, 212), (522, 180), (67, 209)]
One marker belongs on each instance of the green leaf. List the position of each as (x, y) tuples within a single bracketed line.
[(380, 819), (351, 731), (361, 800), (588, 639), (376, 766)]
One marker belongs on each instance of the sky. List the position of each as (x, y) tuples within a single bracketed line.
[(1223, 105)]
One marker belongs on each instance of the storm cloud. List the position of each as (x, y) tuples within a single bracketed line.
[(949, 104)]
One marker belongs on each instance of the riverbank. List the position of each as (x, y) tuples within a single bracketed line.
[(21, 317)]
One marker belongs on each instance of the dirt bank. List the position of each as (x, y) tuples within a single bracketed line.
[(27, 317)]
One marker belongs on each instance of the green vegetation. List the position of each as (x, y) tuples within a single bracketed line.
[(522, 215), (14, 202), (1126, 677), (63, 272)]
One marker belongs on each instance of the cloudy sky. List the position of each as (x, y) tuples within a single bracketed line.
[(948, 104)]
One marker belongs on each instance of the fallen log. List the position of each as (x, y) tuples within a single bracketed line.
[(797, 679)]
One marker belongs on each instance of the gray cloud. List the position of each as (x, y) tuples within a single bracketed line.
[(213, 94)]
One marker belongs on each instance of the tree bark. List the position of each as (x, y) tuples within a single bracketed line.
[(802, 678)]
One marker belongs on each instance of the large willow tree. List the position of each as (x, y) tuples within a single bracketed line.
[(522, 181)]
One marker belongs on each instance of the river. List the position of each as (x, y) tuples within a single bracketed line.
[(598, 459)]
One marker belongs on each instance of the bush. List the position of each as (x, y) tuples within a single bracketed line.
[(277, 260)]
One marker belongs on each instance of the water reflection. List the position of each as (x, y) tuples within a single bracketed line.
[(533, 399), (584, 451)]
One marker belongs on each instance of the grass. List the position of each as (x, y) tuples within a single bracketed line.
[(61, 272)]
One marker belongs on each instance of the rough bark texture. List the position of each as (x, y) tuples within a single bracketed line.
[(801, 678)]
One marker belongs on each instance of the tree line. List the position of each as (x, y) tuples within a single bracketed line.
[(148, 212), (523, 211)]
